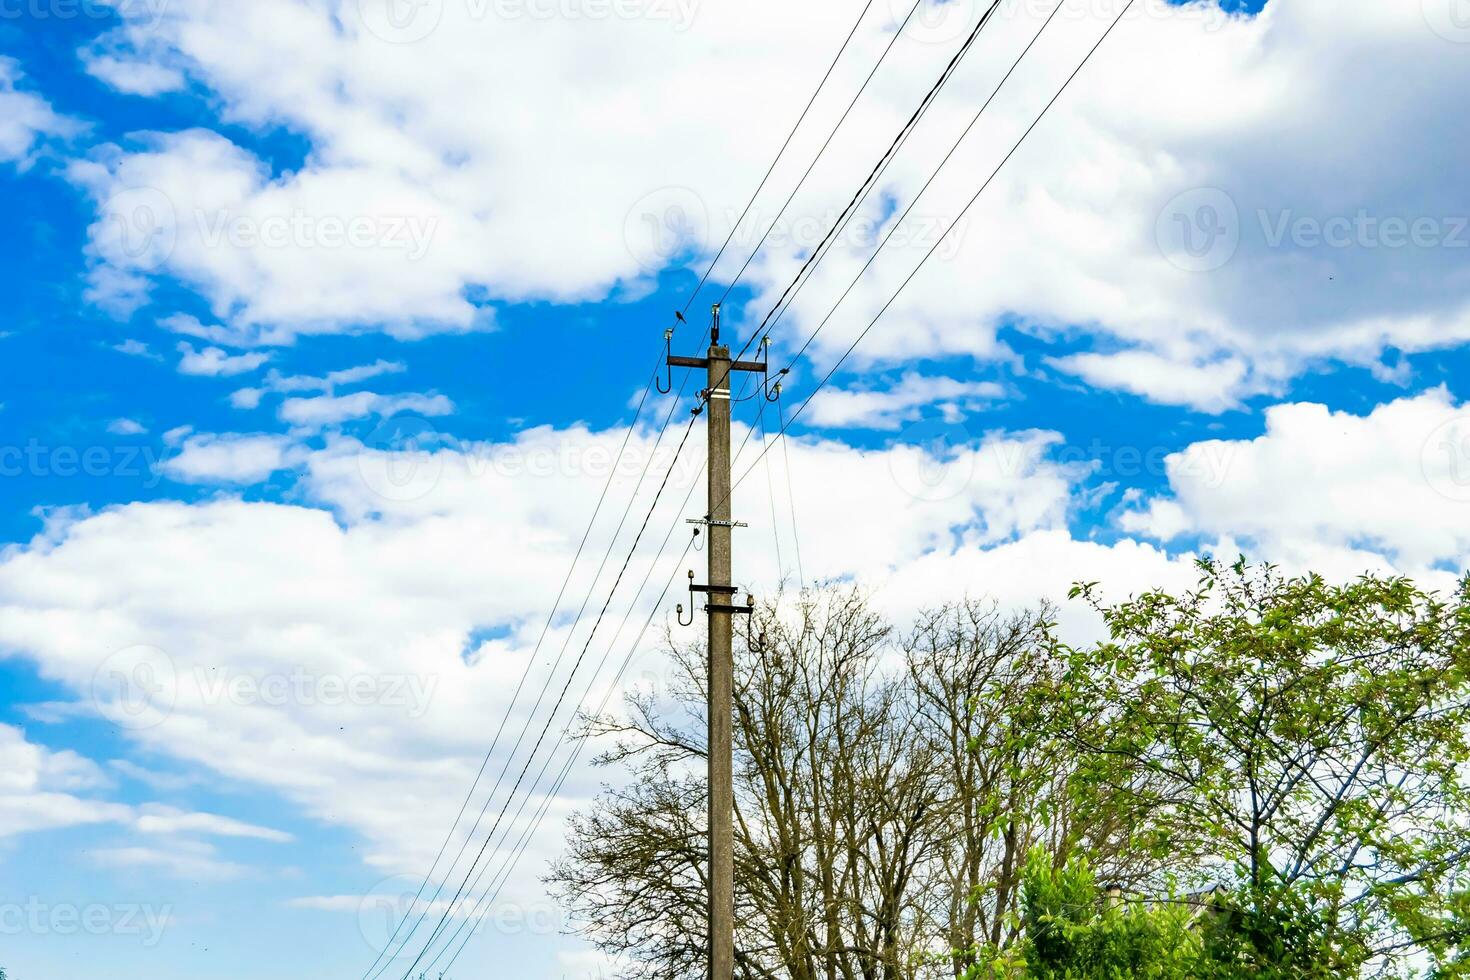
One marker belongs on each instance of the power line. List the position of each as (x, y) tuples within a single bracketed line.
[(596, 513), (959, 141), (688, 305), (771, 492), (557, 707), (547, 801), (853, 346), (487, 900), (779, 154), (561, 593), (830, 136), (785, 424), (490, 797), (878, 169), (790, 490)]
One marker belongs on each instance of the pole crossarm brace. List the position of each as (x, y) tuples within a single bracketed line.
[(703, 362), (732, 610)]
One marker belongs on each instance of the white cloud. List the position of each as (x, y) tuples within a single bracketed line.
[(136, 348), (394, 561), (278, 383), (326, 410), (237, 459), (126, 427), (407, 560), (164, 820), (212, 362), (176, 435), (247, 398), (38, 790), (1212, 387), (132, 76), (215, 333), (1331, 489), (25, 119), (889, 408), (185, 859), (1078, 233)]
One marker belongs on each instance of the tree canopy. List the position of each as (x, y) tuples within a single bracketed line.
[(1268, 772)]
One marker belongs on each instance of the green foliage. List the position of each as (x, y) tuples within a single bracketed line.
[(1073, 930), (1301, 743), (1075, 933)]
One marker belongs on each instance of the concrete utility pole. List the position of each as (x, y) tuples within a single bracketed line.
[(722, 610)]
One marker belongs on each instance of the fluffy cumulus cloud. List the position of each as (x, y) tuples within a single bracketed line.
[(41, 789), (213, 362), (38, 786), (25, 118), (344, 651), (537, 150), (1335, 491), (901, 402), (324, 410), (229, 459)]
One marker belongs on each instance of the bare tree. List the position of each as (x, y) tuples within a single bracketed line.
[(885, 800)]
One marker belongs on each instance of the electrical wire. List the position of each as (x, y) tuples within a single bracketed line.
[(787, 424), (959, 141), (779, 154), (515, 698), (771, 491), (596, 513), (876, 173), (740, 452), (790, 491), (495, 789), (562, 696), (487, 899), (830, 137), (521, 845), (910, 278)]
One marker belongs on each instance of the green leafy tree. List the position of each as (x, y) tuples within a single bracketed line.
[(1073, 932), (1302, 743)]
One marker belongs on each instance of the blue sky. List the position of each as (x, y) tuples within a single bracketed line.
[(1218, 303)]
